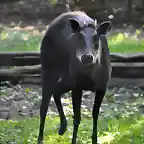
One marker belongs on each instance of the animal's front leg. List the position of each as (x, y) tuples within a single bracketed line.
[(62, 87), (49, 80), (76, 101), (97, 103)]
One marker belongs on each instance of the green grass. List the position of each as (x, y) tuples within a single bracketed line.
[(29, 40), (111, 131), (20, 40), (122, 44), (128, 129)]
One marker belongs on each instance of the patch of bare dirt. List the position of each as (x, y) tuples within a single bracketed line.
[(24, 100)]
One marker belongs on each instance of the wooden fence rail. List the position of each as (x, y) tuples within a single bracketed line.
[(124, 66), (33, 58)]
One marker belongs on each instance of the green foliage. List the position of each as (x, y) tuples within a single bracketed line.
[(53, 2), (124, 44), (29, 40), (20, 40), (118, 123), (111, 130), (2, 92)]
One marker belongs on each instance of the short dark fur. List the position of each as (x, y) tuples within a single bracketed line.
[(58, 60)]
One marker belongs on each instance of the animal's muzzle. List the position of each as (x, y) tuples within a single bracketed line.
[(87, 59)]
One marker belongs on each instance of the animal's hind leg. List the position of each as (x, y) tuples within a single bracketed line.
[(76, 100), (61, 88), (63, 121), (49, 80), (97, 103)]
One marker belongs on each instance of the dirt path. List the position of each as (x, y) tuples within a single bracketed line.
[(24, 100)]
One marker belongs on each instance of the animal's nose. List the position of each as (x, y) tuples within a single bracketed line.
[(87, 58)]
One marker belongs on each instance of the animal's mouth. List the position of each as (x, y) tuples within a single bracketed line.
[(87, 59), (87, 64)]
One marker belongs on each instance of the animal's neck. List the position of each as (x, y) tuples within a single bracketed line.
[(99, 52), (103, 52)]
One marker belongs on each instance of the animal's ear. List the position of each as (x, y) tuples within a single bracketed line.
[(74, 24), (104, 28)]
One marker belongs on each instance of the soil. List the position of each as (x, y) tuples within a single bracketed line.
[(24, 100)]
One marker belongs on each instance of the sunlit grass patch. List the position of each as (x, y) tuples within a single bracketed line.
[(20, 40), (134, 134), (126, 44), (110, 130), (28, 39)]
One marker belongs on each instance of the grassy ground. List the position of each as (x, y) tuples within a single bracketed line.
[(125, 130), (118, 123), (121, 129), (28, 40)]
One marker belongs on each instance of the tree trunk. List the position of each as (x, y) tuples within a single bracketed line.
[(129, 10)]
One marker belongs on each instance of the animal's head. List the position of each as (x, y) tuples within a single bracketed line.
[(88, 39)]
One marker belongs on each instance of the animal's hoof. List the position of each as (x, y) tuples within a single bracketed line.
[(98, 142), (63, 127), (40, 141), (95, 141)]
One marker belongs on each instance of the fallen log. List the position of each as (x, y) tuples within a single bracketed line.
[(14, 74), (114, 82), (130, 82), (20, 70), (33, 58), (19, 58), (128, 70), (136, 57), (119, 70)]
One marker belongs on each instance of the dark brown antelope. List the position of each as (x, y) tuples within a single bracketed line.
[(74, 56)]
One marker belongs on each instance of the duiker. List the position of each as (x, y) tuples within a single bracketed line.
[(74, 56)]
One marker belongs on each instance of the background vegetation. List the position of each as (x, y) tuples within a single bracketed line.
[(28, 39), (22, 26)]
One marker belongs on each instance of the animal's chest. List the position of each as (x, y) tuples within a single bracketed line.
[(97, 79), (85, 83), (101, 78)]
